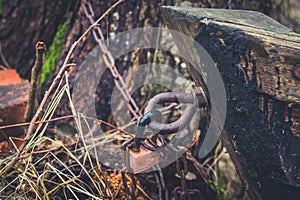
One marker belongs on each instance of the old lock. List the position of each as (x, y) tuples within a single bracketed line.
[(142, 154), (143, 151)]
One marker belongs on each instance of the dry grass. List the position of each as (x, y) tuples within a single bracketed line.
[(57, 166)]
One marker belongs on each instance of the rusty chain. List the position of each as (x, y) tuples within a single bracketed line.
[(110, 61), (182, 192), (120, 84)]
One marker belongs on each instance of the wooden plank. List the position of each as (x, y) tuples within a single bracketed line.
[(276, 46), (255, 56)]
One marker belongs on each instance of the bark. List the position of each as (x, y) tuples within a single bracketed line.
[(255, 56), (23, 23)]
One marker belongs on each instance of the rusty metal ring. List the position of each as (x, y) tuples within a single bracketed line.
[(174, 127), (169, 97)]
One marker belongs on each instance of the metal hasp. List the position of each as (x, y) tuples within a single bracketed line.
[(149, 134), (257, 58), (153, 117)]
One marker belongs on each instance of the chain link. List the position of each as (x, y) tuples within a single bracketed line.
[(182, 170), (183, 193), (110, 61)]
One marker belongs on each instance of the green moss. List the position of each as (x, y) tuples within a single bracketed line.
[(0, 7), (53, 53)]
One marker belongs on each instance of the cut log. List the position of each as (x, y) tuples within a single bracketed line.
[(13, 101), (256, 57)]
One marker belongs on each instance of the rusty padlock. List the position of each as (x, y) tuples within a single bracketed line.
[(143, 159), (143, 152)]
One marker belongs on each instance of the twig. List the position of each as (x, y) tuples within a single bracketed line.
[(199, 167), (3, 67), (114, 128), (48, 92), (37, 122), (108, 124), (4, 59), (35, 80)]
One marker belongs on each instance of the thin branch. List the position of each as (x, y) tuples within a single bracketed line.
[(35, 81), (2, 67), (37, 122), (65, 117), (7, 66)]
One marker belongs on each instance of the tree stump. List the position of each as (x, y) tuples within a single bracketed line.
[(257, 58)]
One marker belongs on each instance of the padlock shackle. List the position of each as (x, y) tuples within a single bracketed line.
[(185, 98), (192, 101), (174, 127)]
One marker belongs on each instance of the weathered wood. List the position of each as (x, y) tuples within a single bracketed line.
[(255, 56)]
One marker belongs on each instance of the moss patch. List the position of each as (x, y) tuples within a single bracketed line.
[(0, 7), (53, 53)]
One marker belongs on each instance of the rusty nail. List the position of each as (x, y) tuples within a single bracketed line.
[(296, 72)]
